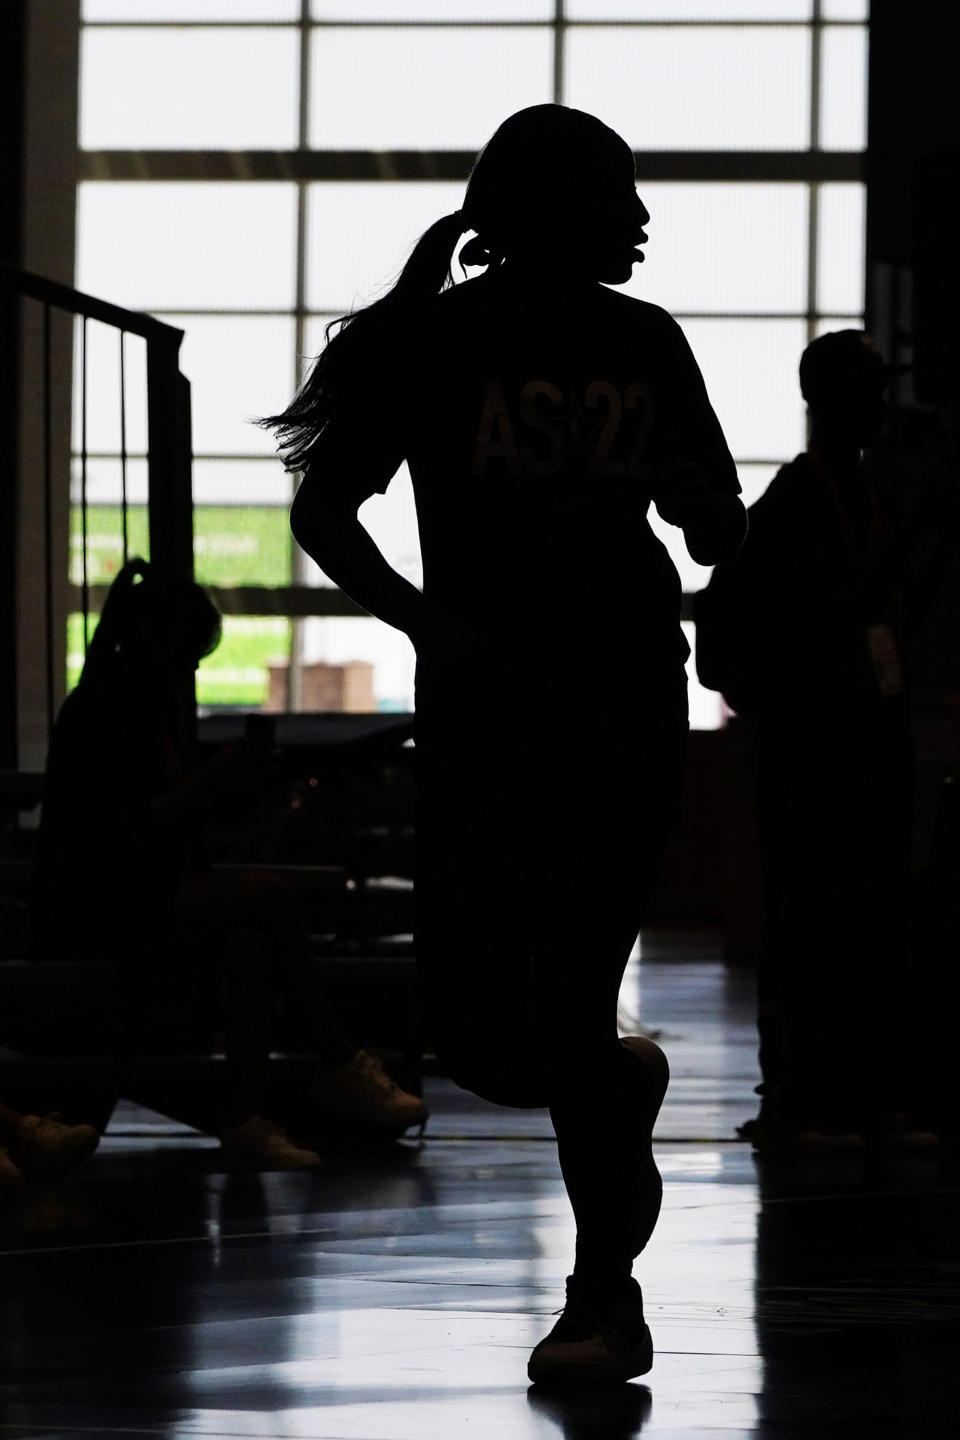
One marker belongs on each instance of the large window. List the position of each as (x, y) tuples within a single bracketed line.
[(252, 168)]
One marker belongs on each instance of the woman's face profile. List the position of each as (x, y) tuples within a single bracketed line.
[(619, 233)]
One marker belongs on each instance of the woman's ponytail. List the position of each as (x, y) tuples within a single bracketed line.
[(354, 341), (428, 270)]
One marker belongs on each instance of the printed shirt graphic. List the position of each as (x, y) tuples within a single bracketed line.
[(546, 431)]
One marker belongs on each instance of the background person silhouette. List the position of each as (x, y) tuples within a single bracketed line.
[(806, 630), (123, 872), (539, 413)]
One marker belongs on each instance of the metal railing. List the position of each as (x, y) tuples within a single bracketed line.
[(168, 444)]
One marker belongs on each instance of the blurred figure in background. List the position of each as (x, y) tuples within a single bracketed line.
[(805, 631), (122, 870)]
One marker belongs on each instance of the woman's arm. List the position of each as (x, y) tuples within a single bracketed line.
[(325, 524), (697, 486), (327, 527), (713, 521)]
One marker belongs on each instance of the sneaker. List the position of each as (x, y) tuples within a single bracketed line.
[(10, 1180), (46, 1147), (362, 1090), (595, 1342), (258, 1144), (767, 1136)]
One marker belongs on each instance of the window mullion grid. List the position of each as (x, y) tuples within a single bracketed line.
[(813, 205), (560, 26), (559, 50), (298, 560)]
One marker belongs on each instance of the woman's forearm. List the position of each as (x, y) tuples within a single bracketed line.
[(714, 528), (345, 552)]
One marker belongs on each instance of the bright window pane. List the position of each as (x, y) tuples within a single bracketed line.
[(237, 674), (727, 247), (432, 9), (223, 11), (392, 521), (843, 109), (338, 641), (828, 323), (241, 482), (103, 400), (750, 369), (185, 89), (846, 9), (840, 249), (435, 89), (240, 366), (359, 235), (689, 9), (706, 706), (104, 481), (215, 482), (694, 88), (154, 245)]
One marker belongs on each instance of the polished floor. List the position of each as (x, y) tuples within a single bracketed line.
[(395, 1295)]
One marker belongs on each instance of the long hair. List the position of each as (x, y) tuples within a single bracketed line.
[(540, 185), (140, 609)]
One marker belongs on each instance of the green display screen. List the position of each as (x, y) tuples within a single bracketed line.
[(232, 544)]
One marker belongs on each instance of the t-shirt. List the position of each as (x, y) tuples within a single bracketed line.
[(538, 421)]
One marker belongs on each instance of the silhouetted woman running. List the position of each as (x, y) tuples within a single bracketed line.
[(539, 413)]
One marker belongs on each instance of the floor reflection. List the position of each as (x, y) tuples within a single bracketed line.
[(396, 1295), (615, 1413)]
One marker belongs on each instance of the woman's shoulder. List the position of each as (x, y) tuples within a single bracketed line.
[(639, 312)]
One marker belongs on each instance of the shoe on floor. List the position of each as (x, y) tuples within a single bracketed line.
[(258, 1145), (46, 1147), (808, 1139), (10, 1180), (595, 1342), (362, 1090)]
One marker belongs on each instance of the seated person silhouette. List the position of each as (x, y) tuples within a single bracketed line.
[(805, 630), (540, 413), (122, 869)]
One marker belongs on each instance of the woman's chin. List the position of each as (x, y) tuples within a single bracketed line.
[(617, 272)]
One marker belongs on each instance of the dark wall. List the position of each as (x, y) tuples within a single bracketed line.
[(914, 111), (12, 89), (914, 108)]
